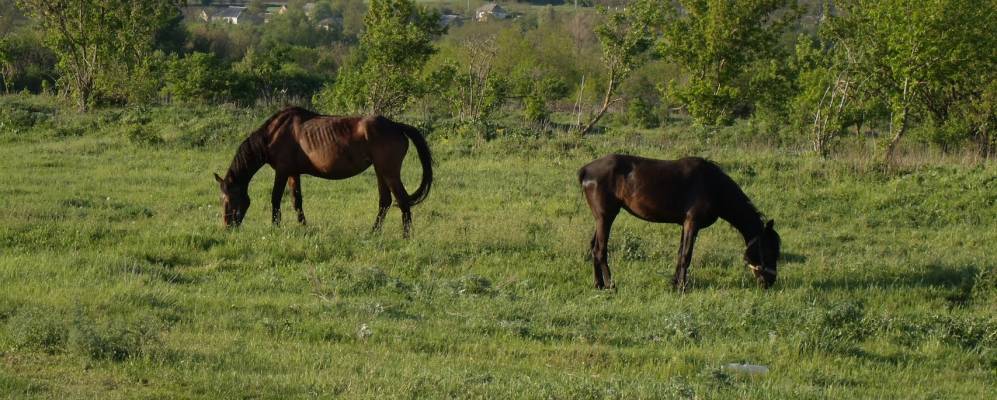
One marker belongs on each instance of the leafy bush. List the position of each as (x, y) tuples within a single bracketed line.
[(640, 114), (541, 93), (17, 117), (200, 78)]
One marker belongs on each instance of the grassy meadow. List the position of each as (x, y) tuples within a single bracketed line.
[(118, 281)]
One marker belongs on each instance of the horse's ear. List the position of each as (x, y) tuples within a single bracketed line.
[(218, 178), (769, 225)]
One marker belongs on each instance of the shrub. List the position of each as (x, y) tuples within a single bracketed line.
[(17, 117), (200, 78), (641, 114)]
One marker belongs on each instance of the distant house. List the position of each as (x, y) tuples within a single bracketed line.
[(230, 15), (194, 13), (490, 11), (274, 10)]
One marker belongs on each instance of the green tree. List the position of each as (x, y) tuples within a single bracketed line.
[(717, 43), (322, 11), (382, 75), (90, 35), (640, 114), (10, 17), (824, 93), (294, 28), (352, 13), (256, 8), (919, 57), (542, 92), (197, 78), (7, 69), (25, 64), (625, 38)]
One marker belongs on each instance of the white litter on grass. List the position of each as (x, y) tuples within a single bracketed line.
[(749, 369), (364, 332)]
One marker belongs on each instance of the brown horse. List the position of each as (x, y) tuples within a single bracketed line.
[(691, 192), (296, 141)]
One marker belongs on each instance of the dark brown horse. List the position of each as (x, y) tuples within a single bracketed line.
[(691, 192), (296, 141)]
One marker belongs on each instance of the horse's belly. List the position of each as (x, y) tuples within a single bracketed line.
[(654, 213), (339, 166), (341, 169)]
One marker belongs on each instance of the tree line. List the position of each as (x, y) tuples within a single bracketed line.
[(813, 70)]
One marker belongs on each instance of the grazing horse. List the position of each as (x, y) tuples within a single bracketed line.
[(296, 141), (692, 192)]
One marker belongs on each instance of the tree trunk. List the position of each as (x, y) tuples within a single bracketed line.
[(606, 101), (84, 91), (898, 133), (901, 120)]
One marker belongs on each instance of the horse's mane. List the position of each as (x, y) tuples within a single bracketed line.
[(733, 192), (251, 154)]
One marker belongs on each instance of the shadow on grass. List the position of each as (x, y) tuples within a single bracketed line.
[(792, 258), (957, 282), (960, 280)]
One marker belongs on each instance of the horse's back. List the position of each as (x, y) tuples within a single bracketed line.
[(326, 146), (622, 165), (652, 189)]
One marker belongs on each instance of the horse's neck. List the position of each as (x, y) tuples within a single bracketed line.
[(745, 218), (248, 159), (243, 173)]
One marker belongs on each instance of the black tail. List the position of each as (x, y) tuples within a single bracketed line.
[(425, 158)]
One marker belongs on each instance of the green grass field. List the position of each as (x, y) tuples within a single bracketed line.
[(117, 280)]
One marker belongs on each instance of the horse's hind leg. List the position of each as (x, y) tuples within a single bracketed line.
[(295, 182), (395, 184), (689, 231), (279, 182), (384, 203)]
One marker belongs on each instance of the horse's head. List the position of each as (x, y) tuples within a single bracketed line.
[(762, 255), (235, 201)]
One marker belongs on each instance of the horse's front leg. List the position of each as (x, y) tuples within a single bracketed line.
[(295, 183), (689, 232), (279, 182)]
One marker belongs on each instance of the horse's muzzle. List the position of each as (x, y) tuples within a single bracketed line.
[(765, 276)]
